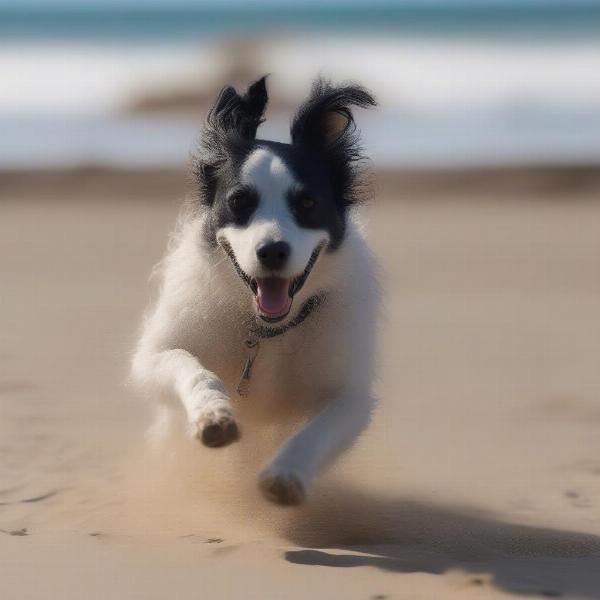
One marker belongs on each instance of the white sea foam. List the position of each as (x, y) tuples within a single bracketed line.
[(84, 79), (444, 101), (441, 75)]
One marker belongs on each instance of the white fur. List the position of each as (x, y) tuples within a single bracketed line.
[(320, 372), (272, 222)]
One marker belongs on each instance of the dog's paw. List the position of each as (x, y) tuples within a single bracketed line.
[(217, 429), (282, 487)]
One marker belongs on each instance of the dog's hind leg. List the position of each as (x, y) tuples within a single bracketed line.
[(326, 436), (201, 392)]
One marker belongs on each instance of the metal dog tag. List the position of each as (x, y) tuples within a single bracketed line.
[(252, 346)]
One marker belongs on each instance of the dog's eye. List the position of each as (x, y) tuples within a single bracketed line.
[(242, 201), (306, 202)]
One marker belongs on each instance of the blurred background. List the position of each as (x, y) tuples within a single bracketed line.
[(486, 221), (461, 82)]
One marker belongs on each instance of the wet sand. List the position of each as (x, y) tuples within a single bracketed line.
[(479, 477)]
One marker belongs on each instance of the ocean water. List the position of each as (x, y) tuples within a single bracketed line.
[(458, 18), (390, 140), (462, 85)]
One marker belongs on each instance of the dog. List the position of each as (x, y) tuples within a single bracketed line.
[(269, 298)]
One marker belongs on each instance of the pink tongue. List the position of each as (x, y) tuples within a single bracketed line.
[(272, 297)]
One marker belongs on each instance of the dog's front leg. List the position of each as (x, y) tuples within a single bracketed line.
[(201, 392), (331, 432)]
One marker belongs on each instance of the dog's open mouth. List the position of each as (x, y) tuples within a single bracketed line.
[(273, 295), (273, 299)]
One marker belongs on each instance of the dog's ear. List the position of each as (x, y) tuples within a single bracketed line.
[(325, 124), (240, 114), (325, 119), (231, 124)]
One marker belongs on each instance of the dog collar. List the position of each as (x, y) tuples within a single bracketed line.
[(259, 332), (267, 331)]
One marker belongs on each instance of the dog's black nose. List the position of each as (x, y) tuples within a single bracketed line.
[(273, 255)]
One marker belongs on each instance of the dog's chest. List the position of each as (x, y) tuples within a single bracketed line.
[(279, 368), (285, 373)]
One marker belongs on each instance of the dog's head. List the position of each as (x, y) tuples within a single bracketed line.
[(274, 207)]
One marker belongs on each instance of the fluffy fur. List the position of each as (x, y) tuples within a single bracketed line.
[(271, 217)]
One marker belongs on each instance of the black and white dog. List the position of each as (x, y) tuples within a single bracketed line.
[(269, 291)]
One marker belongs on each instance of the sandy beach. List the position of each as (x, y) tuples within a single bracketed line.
[(479, 477)]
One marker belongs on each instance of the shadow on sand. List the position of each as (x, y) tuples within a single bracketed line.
[(406, 536)]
